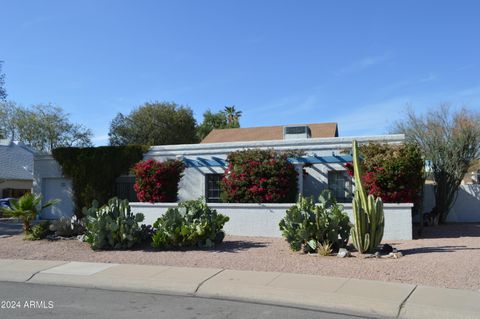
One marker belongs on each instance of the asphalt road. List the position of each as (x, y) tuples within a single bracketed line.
[(41, 301)]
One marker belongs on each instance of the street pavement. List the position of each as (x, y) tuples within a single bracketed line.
[(331, 295), (44, 301)]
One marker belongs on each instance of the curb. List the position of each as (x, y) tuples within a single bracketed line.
[(349, 296)]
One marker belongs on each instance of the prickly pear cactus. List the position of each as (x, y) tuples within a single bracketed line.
[(112, 226), (368, 217)]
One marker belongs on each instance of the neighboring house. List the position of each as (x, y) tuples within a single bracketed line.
[(16, 169), (324, 160)]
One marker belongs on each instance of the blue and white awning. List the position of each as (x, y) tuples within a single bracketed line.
[(333, 159), (219, 162), (205, 162)]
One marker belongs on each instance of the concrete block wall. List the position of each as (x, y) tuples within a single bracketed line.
[(262, 219), (466, 208)]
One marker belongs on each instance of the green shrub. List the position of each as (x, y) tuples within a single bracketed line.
[(112, 226), (192, 224), (307, 226), (39, 231), (93, 170), (259, 176)]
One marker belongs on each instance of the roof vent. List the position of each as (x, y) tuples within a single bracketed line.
[(296, 132)]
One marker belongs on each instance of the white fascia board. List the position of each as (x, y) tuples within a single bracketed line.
[(331, 143)]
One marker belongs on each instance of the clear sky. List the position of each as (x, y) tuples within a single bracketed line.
[(281, 62)]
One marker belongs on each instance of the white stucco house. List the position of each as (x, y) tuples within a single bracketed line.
[(324, 159), (16, 169), (325, 153)]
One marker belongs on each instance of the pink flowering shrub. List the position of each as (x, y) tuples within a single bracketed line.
[(392, 172), (259, 176), (157, 181)]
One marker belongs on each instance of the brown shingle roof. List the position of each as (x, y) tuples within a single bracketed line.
[(266, 133)]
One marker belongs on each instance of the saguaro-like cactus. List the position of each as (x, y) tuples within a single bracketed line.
[(368, 216)]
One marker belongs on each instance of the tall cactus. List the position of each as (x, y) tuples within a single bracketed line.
[(368, 216)]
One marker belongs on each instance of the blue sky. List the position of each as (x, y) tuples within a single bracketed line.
[(358, 63)]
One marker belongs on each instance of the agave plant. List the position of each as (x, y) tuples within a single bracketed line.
[(27, 208)]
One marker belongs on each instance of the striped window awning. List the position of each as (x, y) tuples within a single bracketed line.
[(219, 162), (321, 159)]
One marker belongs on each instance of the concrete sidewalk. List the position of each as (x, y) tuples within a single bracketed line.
[(372, 298)]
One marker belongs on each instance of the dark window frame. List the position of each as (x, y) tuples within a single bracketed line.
[(212, 193), (347, 188)]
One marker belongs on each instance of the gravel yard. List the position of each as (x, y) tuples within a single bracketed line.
[(447, 256)]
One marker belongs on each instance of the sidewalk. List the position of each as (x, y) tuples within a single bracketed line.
[(372, 298)]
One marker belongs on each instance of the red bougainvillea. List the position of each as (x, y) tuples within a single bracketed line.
[(393, 173), (259, 176), (157, 181)]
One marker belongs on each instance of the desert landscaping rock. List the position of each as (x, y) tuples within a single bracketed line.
[(395, 255), (449, 257), (343, 253)]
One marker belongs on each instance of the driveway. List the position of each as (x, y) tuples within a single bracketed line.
[(10, 227)]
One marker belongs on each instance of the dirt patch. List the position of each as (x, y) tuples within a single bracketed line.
[(448, 256)]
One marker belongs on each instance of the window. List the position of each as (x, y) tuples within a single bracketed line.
[(212, 187), (340, 184), (124, 188)]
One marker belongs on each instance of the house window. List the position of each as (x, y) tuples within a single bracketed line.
[(124, 188), (340, 184), (212, 187)]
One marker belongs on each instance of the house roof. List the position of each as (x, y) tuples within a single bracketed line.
[(266, 133), (16, 161)]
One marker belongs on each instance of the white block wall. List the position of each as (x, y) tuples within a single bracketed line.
[(262, 219), (466, 208)]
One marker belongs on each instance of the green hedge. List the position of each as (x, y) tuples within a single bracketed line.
[(93, 170)]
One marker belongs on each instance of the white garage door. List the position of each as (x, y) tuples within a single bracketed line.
[(60, 188)]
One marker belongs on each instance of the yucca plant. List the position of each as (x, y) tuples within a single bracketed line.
[(26, 208), (325, 249)]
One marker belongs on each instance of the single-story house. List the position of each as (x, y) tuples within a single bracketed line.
[(16, 169), (325, 155)]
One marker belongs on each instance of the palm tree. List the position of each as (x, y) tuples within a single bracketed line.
[(25, 208), (233, 116)]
